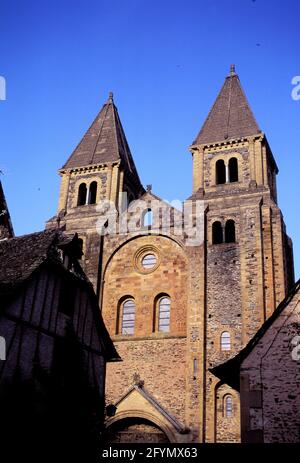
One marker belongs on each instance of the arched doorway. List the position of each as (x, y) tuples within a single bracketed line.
[(135, 430)]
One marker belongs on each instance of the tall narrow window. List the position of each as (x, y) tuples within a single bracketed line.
[(128, 317), (228, 406), (225, 341), (230, 231), (93, 193), (148, 218), (195, 368), (164, 313), (220, 172), (217, 233), (233, 170), (82, 192)]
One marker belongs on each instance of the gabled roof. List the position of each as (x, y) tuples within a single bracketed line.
[(153, 402), (230, 117), (20, 257), (158, 207), (149, 196), (229, 371), (6, 228), (104, 141)]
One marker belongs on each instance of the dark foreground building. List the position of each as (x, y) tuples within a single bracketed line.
[(57, 346), (267, 374)]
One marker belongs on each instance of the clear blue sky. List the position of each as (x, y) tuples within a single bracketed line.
[(165, 61)]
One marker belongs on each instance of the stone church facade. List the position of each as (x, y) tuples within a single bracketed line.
[(174, 307), (266, 374)]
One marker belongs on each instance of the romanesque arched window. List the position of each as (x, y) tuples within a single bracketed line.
[(148, 218), (93, 193), (217, 233), (127, 316), (225, 341), (230, 231), (82, 192), (233, 170), (228, 406), (220, 172), (164, 314)]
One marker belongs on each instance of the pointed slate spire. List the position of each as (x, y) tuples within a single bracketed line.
[(6, 228), (104, 141), (231, 115)]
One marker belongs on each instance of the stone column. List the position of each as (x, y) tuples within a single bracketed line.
[(227, 172), (64, 191), (197, 168)]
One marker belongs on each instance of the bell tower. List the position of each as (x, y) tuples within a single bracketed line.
[(102, 155), (231, 123), (174, 309), (100, 168), (249, 261)]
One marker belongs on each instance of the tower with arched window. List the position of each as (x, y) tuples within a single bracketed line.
[(101, 168), (174, 309), (248, 261)]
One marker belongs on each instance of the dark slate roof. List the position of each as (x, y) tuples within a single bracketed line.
[(229, 371), (6, 228), (230, 117), (21, 256), (104, 141)]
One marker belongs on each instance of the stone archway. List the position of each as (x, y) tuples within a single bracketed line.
[(135, 430)]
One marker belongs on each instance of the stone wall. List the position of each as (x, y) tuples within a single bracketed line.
[(160, 363), (229, 287), (124, 277), (224, 313), (270, 378), (159, 358), (137, 431), (227, 427)]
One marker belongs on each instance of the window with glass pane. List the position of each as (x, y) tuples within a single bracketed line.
[(148, 218), (228, 406), (164, 314), (149, 261), (128, 317), (225, 341)]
